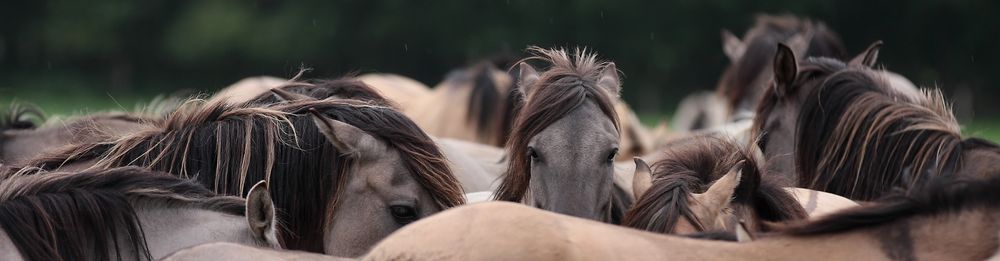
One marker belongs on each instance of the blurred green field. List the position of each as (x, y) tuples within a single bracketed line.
[(56, 100)]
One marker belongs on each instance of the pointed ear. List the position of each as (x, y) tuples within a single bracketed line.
[(527, 77), (260, 213), (284, 95), (643, 178), (720, 194), (868, 57), (609, 80), (732, 46), (742, 234), (345, 137), (786, 68)]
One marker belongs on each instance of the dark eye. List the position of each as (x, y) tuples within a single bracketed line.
[(532, 153), (612, 155), (404, 214)]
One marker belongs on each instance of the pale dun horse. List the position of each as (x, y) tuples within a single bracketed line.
[(946, 220)]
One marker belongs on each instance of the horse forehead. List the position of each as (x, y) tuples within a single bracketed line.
[(585, 125)]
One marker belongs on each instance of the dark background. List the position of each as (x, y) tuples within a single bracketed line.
[(80, 55)]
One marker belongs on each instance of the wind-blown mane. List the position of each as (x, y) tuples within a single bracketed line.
[(568, 83), (940, 195), (738, 81), (858, 137), (80, 216), (689, 166), (228, 148)]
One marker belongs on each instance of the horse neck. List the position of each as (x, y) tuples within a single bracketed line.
[(8, 251), (171, 228), (967, 235), (21, 145)]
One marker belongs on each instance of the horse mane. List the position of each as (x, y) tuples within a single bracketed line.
[(19, 117), (941, 195), (858, 137), (486, 105), (570, 81), (689, 166), (737, 82), (228, 148), (79, 216)]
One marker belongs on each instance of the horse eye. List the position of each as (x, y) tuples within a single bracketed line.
[(403, 214), (532, 153), (612, 155)]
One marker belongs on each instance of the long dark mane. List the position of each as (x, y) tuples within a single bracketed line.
[(689, 166), (940, 195), (568, 83), (739, 81), (858, 137), (228, 148), (80, 216)]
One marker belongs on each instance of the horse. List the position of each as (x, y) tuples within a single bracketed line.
[(476, 166), (951, 220), (248, 88), (469, 104), (230, 251), (344, 173), (21, 139), (744, 80), (124, 213), (565, 137), (842, 128), (407, 93), (708, 183), (479, 103)]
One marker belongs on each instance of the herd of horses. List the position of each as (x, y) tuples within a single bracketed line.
[(802, 152)]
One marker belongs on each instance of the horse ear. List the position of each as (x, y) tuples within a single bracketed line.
[(786, 69), (260, 213), (868, 57), (742, 234), (643, 178), (609, 80), (343, 136), (284, 95), (720, 193), (732, 46), (527, 77)]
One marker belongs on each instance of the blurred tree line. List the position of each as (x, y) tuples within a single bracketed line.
[(666, 49)]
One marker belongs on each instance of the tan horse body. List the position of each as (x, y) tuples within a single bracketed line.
[(506, 231)]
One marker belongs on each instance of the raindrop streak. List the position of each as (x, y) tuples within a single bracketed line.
[(602, 14), (652, 36), (406, 48)]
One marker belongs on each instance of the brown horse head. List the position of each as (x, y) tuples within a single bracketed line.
[(707, 183), (746, 78), (841, 128), (343, 173), (565, 137)]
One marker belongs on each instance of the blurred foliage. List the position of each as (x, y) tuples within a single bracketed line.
[(134, 49)]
